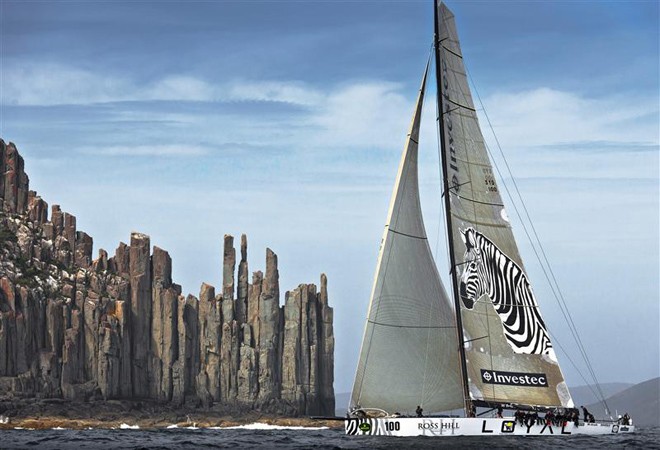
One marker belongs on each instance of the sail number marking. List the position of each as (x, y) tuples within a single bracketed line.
[(489, 179), (392, 426)]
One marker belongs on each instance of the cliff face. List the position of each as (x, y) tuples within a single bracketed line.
[(118, 327)]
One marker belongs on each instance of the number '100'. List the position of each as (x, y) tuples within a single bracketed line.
[(392, 426)]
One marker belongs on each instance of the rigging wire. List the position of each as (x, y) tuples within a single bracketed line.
[(554, 285), (577, 369)]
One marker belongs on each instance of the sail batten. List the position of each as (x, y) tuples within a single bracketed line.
[(408, 235), (513, 360), (462, 197)]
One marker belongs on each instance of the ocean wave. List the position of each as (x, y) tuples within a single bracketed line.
[(125, 426), (175, 427)]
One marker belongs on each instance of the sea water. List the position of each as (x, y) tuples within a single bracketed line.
[(265, 436)]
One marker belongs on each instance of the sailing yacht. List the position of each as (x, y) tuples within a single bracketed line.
[(486, 345)]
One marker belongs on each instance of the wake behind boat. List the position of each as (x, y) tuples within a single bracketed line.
[(487, 347)]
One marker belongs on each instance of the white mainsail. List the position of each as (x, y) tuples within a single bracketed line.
[(409, 353), (509, 355)]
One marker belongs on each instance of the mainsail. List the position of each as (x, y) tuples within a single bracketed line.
[(409, 351), (509, 356)]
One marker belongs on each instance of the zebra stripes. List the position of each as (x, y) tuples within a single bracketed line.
[(371, 427), (489, 271)]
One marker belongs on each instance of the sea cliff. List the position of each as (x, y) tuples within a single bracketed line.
[(118, 327)]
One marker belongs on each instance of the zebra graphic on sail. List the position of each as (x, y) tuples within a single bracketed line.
[(490, 272)]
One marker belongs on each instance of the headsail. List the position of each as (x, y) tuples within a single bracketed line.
[(409, 349), (509, 355)]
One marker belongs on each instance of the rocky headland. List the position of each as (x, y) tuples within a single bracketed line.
[(117, 333)]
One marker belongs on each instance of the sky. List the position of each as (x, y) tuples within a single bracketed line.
[(286, 121)]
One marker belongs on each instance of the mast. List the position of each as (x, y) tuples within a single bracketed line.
[(446, 193)]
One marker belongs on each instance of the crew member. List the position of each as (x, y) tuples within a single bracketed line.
[(585, 411)]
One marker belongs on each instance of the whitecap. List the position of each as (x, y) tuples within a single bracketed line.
[(125, 426), (172, 426), (58, 428)]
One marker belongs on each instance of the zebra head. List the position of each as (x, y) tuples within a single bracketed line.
[(488, 271), (474, 279)]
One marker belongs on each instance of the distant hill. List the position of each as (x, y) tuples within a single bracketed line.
[(583, 395), (641, 401)]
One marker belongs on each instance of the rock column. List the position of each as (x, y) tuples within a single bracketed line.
[(140, 319), (327, 344), (186, 367), (269, 331), (210, 332), (15, 180), (164, 336), (242, 292)]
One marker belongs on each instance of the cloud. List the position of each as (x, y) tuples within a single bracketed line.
[(369, 114), (178, 87), (546, 116), (146, 150), (273, 91), (53, 84)]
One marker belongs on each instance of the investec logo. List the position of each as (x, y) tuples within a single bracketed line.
[(514, 378)]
